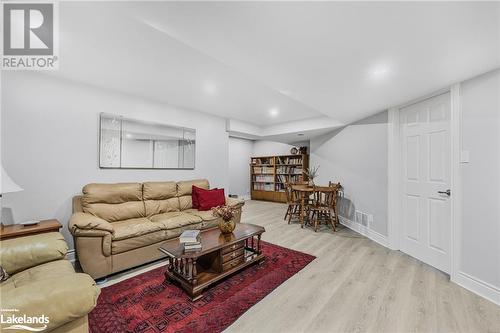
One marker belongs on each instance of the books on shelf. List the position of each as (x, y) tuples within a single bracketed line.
[(288, 178), (289, 170), (289, 159), (263, 186), (270, 174), (263, 160), (280, 187), (263, 170), (190, 236), (264, 178)]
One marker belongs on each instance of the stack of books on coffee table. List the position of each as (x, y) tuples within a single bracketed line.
[(191, 240)]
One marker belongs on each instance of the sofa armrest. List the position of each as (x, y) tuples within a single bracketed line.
[(84, 224), (62, 299), (21, 253), (233, 202)]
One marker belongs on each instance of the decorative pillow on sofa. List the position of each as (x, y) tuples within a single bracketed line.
[(194, 195), (207, 199), (195, 190)]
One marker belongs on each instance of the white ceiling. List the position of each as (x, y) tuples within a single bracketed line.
[(238, 60)]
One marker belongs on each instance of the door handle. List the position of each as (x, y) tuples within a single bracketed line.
[(447, 192)]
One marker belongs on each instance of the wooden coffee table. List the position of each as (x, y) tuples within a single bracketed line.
[(220, 256)]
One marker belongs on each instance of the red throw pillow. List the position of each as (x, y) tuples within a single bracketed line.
[(207, 199), (194, 195), (195, 190)]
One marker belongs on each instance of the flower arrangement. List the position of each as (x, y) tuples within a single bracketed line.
[(312, 173), (226, 214)]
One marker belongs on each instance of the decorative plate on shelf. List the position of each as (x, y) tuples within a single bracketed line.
[(294, 151)]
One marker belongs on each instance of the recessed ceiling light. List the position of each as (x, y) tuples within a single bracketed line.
[(128, 135), (209, 88), (274, 112), (379, 71), (300, 134)]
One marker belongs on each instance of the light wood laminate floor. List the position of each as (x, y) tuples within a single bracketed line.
[(354, 285)]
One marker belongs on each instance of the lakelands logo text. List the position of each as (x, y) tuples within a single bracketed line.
[(30, 36), (11, 319)]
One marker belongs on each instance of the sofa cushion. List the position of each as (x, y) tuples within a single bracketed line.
[(134, 228), (48, 271), (128, 244), (62, 299), (185, 187), (185, 190), (18, 254), (205, 215), (176, 232), (160, 197), (175, 220), (114, 202), (209, 220)]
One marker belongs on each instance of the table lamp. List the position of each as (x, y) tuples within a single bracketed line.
[(7, 185)]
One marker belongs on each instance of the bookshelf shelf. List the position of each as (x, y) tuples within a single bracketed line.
[(269, 174)]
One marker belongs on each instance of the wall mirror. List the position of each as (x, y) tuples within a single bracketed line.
[(133, 144)]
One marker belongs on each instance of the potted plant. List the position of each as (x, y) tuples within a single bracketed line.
[(226, 213), (311, 174)]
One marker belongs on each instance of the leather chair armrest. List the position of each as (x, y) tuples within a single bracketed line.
[(84, 224), (233, 202), (61, 299), (24, 252)]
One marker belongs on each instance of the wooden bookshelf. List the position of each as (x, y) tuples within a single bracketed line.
[(268, 175)]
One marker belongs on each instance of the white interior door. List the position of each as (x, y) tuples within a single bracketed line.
[(426, 173)]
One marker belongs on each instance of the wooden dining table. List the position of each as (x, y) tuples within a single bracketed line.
[(305, 191)]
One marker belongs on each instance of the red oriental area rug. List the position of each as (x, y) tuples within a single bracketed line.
[(147, 303)]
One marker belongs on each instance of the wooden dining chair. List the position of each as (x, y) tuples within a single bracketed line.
[(335, 206), (293, 203), (321, 207)]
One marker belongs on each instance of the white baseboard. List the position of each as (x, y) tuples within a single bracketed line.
[(367, 232), (71, 256), (477, 286)]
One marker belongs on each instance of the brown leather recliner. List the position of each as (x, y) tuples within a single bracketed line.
[(44, 283), (119, 226)]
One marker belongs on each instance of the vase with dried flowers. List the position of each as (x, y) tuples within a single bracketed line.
[(226, 213), (311, 174)]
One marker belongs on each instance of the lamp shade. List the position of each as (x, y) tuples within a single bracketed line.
[(7, 185)]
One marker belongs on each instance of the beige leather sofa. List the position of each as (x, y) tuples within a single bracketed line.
[(119, 226), (43, 282)]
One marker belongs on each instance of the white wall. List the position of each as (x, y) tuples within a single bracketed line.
[(356, 156), (480, 243), (270, 148), (240, 151), (50, 142)]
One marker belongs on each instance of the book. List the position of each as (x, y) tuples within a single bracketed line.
[(189, 236), (198, 246), (192, 248), (192, 243)]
